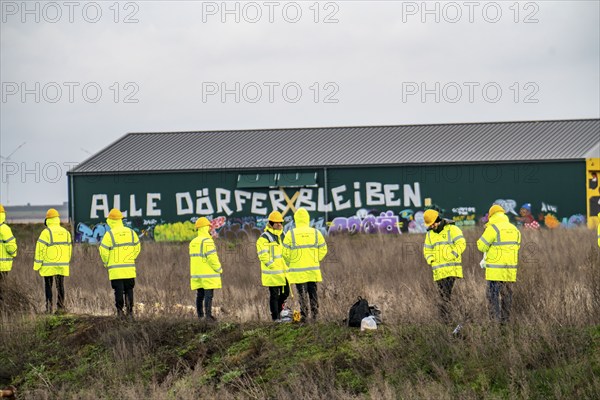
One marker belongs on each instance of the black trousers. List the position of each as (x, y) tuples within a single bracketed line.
[(311, 288), (499, 296), (204, 296), (3, 276), (445, 289), (123, 294), (60, 291), (277, 296)]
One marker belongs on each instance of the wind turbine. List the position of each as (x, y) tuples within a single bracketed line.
[(7, 158)]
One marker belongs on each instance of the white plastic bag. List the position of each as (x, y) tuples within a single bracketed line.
[(482, 262), (368, 323), (286, 315)]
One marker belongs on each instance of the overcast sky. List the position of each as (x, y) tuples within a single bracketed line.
[(77, 76)]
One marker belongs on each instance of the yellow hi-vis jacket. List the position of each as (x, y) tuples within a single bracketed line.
[(119, 249), (303, 249), (8, 245), (443, 251), (205, 267), (500, 241), (269, 248), (53, 250), (598, 229)]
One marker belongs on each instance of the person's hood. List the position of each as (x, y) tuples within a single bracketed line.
[(301, 217), (444, 222), (114, 223), (53, 221), (204, 231), (497, 218), (2, 217), (276, 232)]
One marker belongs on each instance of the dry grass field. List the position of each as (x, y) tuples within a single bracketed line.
[(556, 299), (558, 279)]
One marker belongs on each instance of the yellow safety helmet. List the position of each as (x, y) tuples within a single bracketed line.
[(2, 208), (430, 216), (275, 216), (202, 222), (115, 214), (52, 213), (495, 209)]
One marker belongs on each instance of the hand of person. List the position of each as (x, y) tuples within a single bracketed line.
[(482, 263)]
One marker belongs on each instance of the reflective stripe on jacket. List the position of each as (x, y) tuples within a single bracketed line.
[(443, 251), (119, 249), (269, 249), (500, 241), (53, 250), (303, 249), (205, 267), (8, 245)]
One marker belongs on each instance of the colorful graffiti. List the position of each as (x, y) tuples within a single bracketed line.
[(184, 231), (179, 231), (509, 205), (574, 221), (92, 235), (250, 228), (416, 224), (240, 231), (366, 221), (547, 217), (464, 216)]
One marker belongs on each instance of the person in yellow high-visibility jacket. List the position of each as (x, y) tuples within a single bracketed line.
[(500, 244), (53, 252), (443, 248), (8, 245), (205, 269), (272, 267), (119, 249), (303, 250), (598, 229)]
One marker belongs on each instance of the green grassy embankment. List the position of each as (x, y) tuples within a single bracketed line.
[(550, 350), (90, 357)]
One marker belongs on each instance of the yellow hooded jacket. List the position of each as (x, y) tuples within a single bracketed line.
[(205, 267), (500, 241), (119, 249), (8, 245), (269, 249), (303, 249), (53, 250), (443, 251)]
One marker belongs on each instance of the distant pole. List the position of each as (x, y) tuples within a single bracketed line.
[(7, 158)]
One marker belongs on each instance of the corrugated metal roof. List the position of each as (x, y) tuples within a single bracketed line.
[(344, 146)]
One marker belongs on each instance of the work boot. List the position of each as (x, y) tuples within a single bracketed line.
[(210, 319)]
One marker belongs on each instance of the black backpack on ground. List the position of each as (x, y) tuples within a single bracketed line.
[(358, 311)]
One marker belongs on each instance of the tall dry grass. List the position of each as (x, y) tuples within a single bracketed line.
[(558, 280), (169, 355)]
